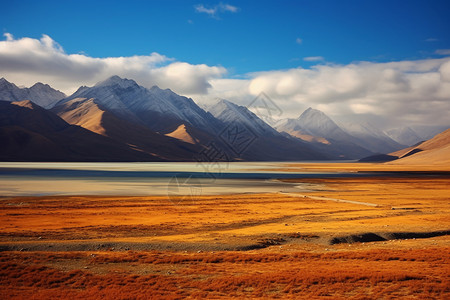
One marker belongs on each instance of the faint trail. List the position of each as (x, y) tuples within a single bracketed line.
[(329, 199)]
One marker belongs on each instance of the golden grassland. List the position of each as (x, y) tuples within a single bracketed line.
[(394, 166), (362, 274), (273, 245)]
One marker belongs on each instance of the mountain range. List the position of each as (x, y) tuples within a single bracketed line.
[(40, 94), (435, 151), (119, 120), (258, 140), (29, 132)]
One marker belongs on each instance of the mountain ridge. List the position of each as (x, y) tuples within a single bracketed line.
[(316, 127), (262, 139), (162, 125), (29, 132), (433, 151), (92, 116), (155, 108), (40, 93)]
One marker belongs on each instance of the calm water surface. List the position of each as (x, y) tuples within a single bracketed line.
[(169, 178)]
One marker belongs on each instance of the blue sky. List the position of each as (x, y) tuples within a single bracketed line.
[(260, 35), (383, 61)]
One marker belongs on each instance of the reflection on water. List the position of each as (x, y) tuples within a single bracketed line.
[(125, 186), (147, 166), (144, 178)]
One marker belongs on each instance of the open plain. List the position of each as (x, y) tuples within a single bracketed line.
[(361, 237)]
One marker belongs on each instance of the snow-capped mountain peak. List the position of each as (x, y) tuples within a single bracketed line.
[(362, 128), (404, 135), (222, 106), (117, 81), (155, 107), (319, 124), (314, 116), (5, 84), (229, 112), (3, 81), (371, 137), (41, 94)]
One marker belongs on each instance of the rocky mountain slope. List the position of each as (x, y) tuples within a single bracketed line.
[(253, 139), (28, 132), (40, 94)]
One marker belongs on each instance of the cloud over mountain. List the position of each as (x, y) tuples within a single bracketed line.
[(28, 60), (413, 92)]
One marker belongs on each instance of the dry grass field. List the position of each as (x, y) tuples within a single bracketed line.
[(361, 238)]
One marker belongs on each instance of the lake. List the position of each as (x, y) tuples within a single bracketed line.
[(168, 178)]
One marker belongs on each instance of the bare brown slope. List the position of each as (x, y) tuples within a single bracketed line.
[(182, 134), (308, 138), (82, 114), (88, 114), (433, 151), (31, 133), (190, 134), (403, 152)]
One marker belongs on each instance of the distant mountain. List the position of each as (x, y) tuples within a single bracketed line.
[(94, 117), (156, 110), (160, 110), (253, 139), (173, 127), (316, 127), (427, 132), (141, 124), (370, 137), (319, 124), (435, 151), (292, 127), (229, 112), (40, 94), (404, 135), (31, 133)]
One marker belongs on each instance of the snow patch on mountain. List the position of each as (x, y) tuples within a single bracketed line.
[(229, 112)]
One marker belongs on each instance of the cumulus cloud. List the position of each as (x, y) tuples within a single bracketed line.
[(26, 61), (213, 11), (404, 91)]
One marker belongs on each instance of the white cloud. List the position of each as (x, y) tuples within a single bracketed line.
[(26, 61), (401, 92), (9, 36), (298, 40), (443, 51), (313, 58), (214, 10), (202, 9), (432, 40), (404, 91), (228, 7)]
